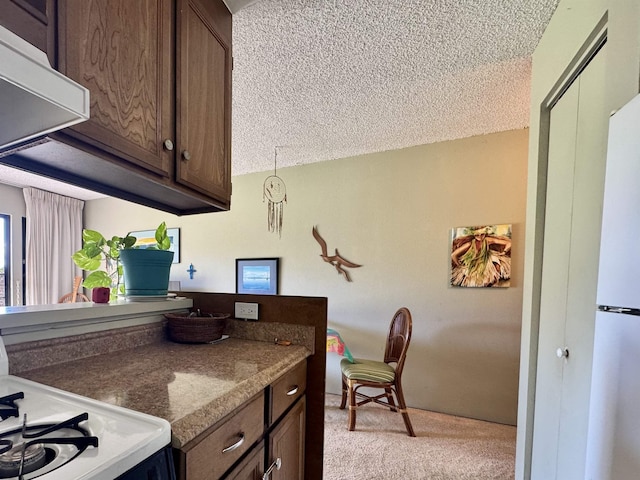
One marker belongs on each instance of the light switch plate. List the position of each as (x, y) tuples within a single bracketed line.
[(246, 311)]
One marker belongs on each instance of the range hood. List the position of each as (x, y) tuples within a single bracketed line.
[(34, 98)]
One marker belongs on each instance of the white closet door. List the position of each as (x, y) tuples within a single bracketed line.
[(555, 279), (573, 214)]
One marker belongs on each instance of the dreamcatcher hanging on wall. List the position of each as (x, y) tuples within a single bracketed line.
[(275, 192)]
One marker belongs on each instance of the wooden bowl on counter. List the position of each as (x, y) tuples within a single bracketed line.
[(196, 327)]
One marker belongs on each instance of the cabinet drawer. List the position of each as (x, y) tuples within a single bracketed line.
[(210, 458), (287, 389)]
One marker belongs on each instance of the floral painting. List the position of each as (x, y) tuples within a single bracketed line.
[(481, 256)]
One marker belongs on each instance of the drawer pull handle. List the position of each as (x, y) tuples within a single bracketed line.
[(292, 390), (235, 445), (276, 464)]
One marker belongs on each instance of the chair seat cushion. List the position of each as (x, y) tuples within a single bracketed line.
[(367, 370)]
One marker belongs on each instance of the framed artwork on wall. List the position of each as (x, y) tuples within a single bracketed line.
[(147, 238), (258, 276), (481, 256)]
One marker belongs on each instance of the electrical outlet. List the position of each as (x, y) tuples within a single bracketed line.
[(246, 311)]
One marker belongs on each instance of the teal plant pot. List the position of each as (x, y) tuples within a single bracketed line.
[(146, 272)]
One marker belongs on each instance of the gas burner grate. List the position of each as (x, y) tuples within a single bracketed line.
[(34, 450), (8, 407)]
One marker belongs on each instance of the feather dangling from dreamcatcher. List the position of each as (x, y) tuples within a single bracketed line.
[(275, 192)]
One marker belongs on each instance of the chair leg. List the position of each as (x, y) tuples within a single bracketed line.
[(352, 405), (392, 404), (403, 410), (343, 403)]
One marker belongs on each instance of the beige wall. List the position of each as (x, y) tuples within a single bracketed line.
[(391, 212)]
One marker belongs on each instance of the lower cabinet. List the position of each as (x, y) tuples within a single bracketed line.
[(208, 457), (252, 467), (286, 445), (262, 440), (284, 449)]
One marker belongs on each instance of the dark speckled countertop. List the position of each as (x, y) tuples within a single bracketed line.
[(191, 386)]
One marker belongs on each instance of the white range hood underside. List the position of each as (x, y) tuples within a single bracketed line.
[(34, 98)]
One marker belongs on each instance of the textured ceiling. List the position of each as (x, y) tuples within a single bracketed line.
[(328, 79)]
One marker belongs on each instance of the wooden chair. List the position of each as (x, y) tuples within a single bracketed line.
[(375, 374), (74, 296)]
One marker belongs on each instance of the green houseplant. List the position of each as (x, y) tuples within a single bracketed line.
[(97, 251)]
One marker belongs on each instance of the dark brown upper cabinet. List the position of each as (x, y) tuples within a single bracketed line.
[(33, 20), (203, 79), (159, 76), (122, 51)]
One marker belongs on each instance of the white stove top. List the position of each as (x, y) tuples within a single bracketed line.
[(125, 437)]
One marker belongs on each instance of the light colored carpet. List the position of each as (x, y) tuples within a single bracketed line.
[(445, 447)]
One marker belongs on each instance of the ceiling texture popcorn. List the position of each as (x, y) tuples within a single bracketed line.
[(330, 79)]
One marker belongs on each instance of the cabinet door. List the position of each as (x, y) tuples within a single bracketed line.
[(286, 442), (251, 468), (203, 77), (122, 51)]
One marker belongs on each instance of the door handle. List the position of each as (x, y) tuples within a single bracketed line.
[(275, 465), (562, 352)]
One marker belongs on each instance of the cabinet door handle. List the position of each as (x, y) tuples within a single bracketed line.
[(168, 145), (235, 445), (292, 390), (276, 464), (186, 155)]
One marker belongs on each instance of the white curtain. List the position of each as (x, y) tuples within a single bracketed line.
[(54, 233)]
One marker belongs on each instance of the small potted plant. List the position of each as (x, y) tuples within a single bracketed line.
[(129, 270)]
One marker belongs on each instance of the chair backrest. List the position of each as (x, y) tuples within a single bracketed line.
[(398, 339), (74, 296)]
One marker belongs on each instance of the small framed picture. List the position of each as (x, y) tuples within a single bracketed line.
[(258, 276), (147, 238)]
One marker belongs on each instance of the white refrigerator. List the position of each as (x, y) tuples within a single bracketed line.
[(613, 447)]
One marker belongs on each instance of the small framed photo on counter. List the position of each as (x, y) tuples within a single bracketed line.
[(258, 276)]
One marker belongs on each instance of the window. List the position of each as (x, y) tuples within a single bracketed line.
[(5, 260)]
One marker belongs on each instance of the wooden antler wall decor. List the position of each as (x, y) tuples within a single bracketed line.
[(336, 260)]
